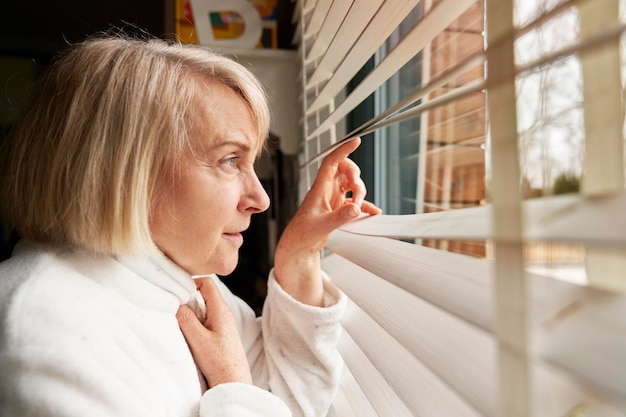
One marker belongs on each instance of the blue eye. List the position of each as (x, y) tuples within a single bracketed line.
[(231, 161)]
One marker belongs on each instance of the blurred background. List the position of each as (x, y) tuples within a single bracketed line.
[(32, 32)]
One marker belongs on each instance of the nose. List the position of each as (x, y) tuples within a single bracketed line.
[(254, 198)]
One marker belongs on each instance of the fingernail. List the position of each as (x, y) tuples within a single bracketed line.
[(354, 211)]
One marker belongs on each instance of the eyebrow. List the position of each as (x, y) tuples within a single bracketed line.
[(239, 144), (208, 148)]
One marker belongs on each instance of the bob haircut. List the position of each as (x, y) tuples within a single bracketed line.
[(110, 119)]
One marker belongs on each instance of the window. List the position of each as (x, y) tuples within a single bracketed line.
[(397, 147), (481, 113)]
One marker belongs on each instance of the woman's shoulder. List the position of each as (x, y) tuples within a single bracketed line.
[(40, 291), (28, 261), (34, 265)]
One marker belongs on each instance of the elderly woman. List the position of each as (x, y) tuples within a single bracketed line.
[(130, 178)]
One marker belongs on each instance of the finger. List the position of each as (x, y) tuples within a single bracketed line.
[(208, 289), (338, 218), (191, 327), (332, 160), (347, 213), (370, 208), (216, 307), (353, 182), (329, 171)]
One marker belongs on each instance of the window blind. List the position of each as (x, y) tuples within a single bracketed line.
[(430, 332)]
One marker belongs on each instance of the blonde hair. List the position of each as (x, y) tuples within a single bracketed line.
[(110, 118)]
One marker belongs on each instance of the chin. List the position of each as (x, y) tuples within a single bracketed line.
[(227, 268)]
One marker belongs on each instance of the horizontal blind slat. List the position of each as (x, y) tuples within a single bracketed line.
[(317, 18), (461, 356), (419, 388), (353, 25), (430, 334), (309, 5), (340, 406), (388, 118), (336, 15), (440, 16), (351, 400), (458, 284), (569, 217), (454, 95), (381, 121), (376, 388), (586, 337), (463, 286), (422, 91), (390, 14)]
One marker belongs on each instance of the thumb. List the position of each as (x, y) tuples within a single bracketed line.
[(343, 215), (218, 313), (190, 325)]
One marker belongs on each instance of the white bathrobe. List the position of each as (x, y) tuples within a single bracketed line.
[(85, 335)]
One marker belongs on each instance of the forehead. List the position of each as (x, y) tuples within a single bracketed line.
[(220, 115)]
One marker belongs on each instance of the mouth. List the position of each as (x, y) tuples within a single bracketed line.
[(236, 237)]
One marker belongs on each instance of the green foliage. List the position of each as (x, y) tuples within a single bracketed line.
[(566, 183)]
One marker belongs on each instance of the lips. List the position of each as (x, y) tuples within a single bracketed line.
[(235, 237)]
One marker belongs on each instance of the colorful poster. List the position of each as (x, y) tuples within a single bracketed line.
[(225, 25)]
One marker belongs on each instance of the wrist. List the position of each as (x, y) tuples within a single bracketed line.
[(301, 278)]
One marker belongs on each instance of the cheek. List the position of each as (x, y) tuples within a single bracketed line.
[(167, 219), (162, 226), (192, 214)]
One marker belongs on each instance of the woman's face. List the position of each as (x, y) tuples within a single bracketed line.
[(198, 219)]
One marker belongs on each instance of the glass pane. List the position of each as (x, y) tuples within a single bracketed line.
[(398, 146), (549, 103), (452, 135)]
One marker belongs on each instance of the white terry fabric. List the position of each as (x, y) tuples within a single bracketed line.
[(92, 335)]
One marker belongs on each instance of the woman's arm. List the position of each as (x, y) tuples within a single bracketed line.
[(325, 208), (295, 355)]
